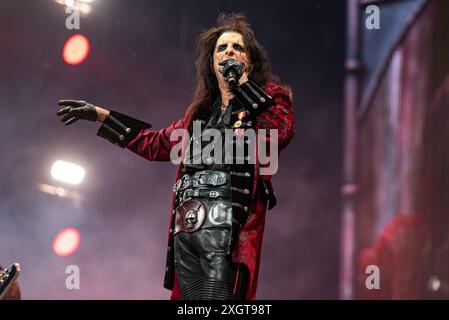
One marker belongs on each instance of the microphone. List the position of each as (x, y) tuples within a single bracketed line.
[(232, 77), (232, 71)]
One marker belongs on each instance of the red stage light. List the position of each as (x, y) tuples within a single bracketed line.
[(76, 49), (66, 242)]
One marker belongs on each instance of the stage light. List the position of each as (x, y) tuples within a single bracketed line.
[(433, 284), (66, 242), (76, 49), (81, 5), (69, 3), (61, 192), (84, 8), (67, 172)]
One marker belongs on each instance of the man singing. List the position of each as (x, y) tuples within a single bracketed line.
[(219, 201)]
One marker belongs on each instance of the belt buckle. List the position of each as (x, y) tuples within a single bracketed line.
[(213, 179), (221, 180), (198, 179), (213, 194), (189, 194), (191, 216)]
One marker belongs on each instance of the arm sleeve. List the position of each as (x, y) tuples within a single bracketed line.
[(156, 145), (272, 106), (254, 99), (278, 116), (128, 132), (120, 129)]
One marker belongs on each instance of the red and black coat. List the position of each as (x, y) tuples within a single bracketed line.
[(156, 146)]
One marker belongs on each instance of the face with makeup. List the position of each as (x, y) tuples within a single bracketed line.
[(230, 45)]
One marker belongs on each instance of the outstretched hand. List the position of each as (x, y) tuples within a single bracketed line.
[(73, 110)]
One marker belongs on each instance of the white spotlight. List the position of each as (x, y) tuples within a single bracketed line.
[(67, 172), (69, 3), (84, 7)]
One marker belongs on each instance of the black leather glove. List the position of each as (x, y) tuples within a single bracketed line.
[(73, 110), (229, 65)]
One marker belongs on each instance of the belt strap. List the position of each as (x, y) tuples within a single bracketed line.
[(204, 193), (206, 178)]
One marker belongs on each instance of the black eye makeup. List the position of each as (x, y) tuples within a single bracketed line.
[(238, 47), (221, 47)]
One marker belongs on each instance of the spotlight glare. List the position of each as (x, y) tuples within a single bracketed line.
[(84, 7), (76, 49), (66, 242), (67, 172)]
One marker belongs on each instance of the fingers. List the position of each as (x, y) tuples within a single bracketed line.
[(69, 112), (67, 117), (63, 111), (69, 104), (72, 103), (70, 121)]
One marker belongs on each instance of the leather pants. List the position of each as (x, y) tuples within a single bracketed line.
[(203, 265)]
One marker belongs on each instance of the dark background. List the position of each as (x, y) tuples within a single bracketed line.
[(142, 63)]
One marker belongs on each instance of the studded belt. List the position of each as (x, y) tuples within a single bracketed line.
[(203, 194), (205, 178)]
